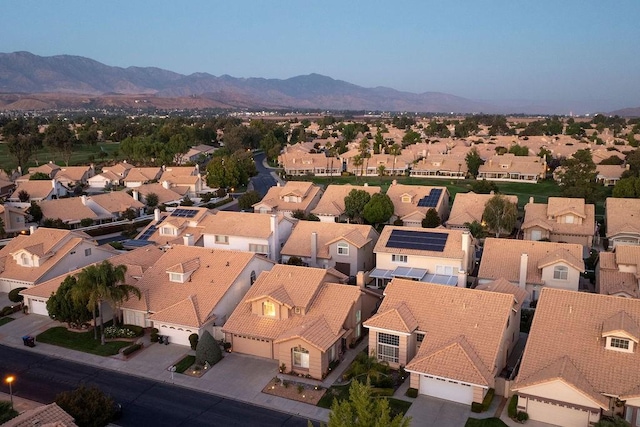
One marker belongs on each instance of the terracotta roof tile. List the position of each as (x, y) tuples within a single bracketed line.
[(544, 216), (452, 248), (505, 287), (417, 192), (469, 207), (622, 215), (332, 201), (42, 416), (68, 210), (116, 201), (621, 322)]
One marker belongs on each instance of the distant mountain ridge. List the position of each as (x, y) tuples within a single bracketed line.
[(26, 73)]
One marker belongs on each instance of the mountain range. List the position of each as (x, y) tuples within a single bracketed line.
[(29, 81)]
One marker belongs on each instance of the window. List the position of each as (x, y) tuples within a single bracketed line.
[(176, 277), (259, 249), (568, 219), (222, 240), (444, 270), (253, 277), (167, 231), (343, 248), (358, 316), (619, 343), (406, 199), (419, 337), (398, 258), (268, 309), (25, 259), (87, 252), (388, 347), (560, 272), (297, 310), (300, 358)]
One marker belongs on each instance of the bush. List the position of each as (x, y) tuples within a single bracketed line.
[(116, 332), (153, 336), (208, 350), (7, 412), (89, 406), (132, 348), (193, 340), (412, 392), (185, 363), (138, 330), (14, 295), (512, 409), (522, 416), (476, 407), (378, 391)]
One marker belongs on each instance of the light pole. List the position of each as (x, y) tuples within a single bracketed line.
[(9, 380)]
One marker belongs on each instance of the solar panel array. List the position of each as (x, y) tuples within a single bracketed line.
[(148, 232), (420, 240), (431, 200), (184, 213)]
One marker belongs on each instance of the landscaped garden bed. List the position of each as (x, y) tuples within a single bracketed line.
[(5, 320), (295, 391)]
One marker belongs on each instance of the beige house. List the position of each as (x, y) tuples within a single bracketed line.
[(50, 415), (191, 289), (14, 220), (609, 175), (293, 196), (300, 163), (50, 169), (411, 202), (622, 217), (297, 316), (47, 253), (512, 168), (453, 341), (104, 180), (180, 226), (346, 247), (71, 211), (442, 166), (137, 262), (181, 177), (70, 176), (113, 204), (561, 219), (37, 191), (331, 206), (138, 176), (427, 255), (469, 207), (581, 360), (532, 265), (166, 194), (618, 272)]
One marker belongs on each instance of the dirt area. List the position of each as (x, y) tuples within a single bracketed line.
[(295, 391)]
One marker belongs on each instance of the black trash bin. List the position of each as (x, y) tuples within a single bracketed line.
[(29, 341), (166, 340), (160, 339)]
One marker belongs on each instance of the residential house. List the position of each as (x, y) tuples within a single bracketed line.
[(14, 220), (119, 169), (37, 191), (411, 202), (70, 176), (618, 272), (453, 341), (192, 289), (581, 360), (113, 204), (50, 169), (137, 262), (70, 210), (427, 255), (299, 317), (443, 166), (300, 163), (469, 207), (50, 415), (509, 167), (532, 265), (622, 217), (180, 226), (561, 219), (104, 180), (393, 165), (47, 253), (138, 176), (346, 247), (6, 185), (609, 175), (166, 194), (293, 196), (196, 153), (182, 177), (331, 206)]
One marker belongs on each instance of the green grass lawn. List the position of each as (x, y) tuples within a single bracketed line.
[(341, 392), (398, 407), (81, 341), (82, 155), (185, 363), (487, 422), (5, 320)]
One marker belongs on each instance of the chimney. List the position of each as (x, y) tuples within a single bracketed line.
[(278, 184), (366, 184), (522, 278), (466, 243), (424, 153), (32, 229), (530, 199), (360, 279), (165, 184), (20, 170), (84, 199), (156, 215), (274, 250), (188, 239), (314, 249), (394, 182), (136, 195)]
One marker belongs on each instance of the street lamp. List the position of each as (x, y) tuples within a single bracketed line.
[(9, 380)]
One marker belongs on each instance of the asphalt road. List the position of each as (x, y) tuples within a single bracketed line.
[(144, 402), (263, 181)]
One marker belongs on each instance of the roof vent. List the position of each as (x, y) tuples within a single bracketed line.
[(227, 265)]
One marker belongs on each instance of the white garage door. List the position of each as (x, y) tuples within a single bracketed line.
[(255, 347), (445, 389), (177, 335), (536, 235), (558, 415), (38, 306)]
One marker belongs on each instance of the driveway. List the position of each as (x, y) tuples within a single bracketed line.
[(429, 411)]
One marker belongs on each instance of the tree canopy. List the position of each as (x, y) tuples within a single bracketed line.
[(64, 308), (578, 177), (431, 219), (379, 209), (474, 161), (88, 406), (500, 215), (354, 204)]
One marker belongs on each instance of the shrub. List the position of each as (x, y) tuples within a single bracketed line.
[(412, 392), (128, 350), (512, 409), (185, 363), (476, 407), (138, 330), (88, 405), (153, 336), (488, 398), (380, 391), (7, 412), (300, 388), (208, 350), (116, 332), (522, 416), (14, 295), (193, 340)]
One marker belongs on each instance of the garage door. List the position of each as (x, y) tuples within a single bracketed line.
[(255, 347), (38, 306), (177, 335), (536, 235), (446, 389), (558, 415)]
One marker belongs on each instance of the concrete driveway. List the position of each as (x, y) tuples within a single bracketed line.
[(429, 411)]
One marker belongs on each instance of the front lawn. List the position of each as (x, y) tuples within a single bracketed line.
[(341, 392), (80, 341), (5, 320), (185, 363), (398, 407), (487, 422)]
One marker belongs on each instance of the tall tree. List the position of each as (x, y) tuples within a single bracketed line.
[(474, 161), (395, 151), (363, 149), (500, 215), (578, 177), (88, 406), (63, 308), (354, 204), (379, 209), (431, 219), (59, 138)]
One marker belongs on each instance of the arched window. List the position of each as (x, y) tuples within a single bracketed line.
[(560, 272), (253, 277)]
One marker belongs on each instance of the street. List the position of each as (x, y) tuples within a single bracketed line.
[(263, 181), (144, 402)]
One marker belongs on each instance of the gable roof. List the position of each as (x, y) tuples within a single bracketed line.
[(610, 280), (505, 287), (452, 247), (501, 258), (165, 195), (618, 223), (544, 215), (36, 189), (582, 316), (243, 224), (469, 207), (69, 210), (116, 201), (332, 201), (621, 322), (143, 174), (274, 198), (50, 415), (416, 192)]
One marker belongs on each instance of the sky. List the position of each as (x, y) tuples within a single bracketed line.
[(580, 55)]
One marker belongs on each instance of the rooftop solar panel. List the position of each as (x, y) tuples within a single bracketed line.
[(147, 233), (431, 200), (184, 213), (420, 240)]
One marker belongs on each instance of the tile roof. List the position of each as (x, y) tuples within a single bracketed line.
[(217, 272), (469, 207), (299, 243), (442, 162), (501, 258), (50, 415), (504, 286), (417, 192), (610, 171), (36, 189), (116, 201), (575, 351), (119, 169), (621, 322), (611, 280), (326, 306), (69, 210), (463, 327), (165, 195), (73, 173), (452, 248), (527, 165), (332, 201), (242, 224), (274, 198), (142, 174), (544, 216), (622, 215)]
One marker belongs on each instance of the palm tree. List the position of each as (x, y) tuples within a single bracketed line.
[(363, 148), (395, 151), (358, 161), (103, 283), (368, 366)]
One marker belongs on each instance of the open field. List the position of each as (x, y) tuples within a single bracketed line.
[(82, 155)]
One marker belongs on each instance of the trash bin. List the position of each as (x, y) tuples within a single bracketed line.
[(28, 341), (160, 339), (166, 340)]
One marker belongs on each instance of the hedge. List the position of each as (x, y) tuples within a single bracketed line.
[(412, 392), (382, 391), (512, 409), (14, 295), (9, 310), (128, 350), (486, 402), (138, 330)]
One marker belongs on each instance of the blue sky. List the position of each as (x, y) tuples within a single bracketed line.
[(580, 55)]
